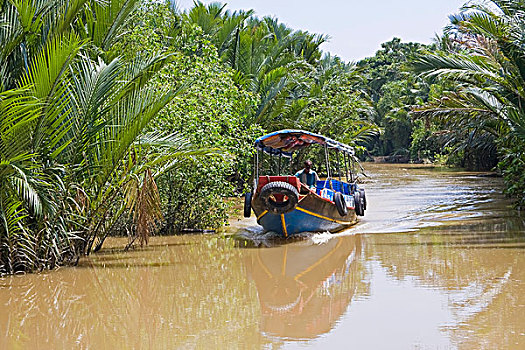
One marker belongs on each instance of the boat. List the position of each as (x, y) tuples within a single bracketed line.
[(284, 205)]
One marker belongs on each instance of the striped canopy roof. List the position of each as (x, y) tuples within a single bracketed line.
[(287, 141)]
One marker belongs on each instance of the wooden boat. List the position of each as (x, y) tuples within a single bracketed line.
[(284, 205)]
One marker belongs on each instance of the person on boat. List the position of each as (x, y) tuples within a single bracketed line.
[(308, 176)]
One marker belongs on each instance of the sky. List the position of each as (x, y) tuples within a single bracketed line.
[(356, 27)]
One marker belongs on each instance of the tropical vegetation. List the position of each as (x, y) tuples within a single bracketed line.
[(480, 62), (134, 118), (75, 154)]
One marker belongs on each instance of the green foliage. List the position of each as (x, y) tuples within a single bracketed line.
[(394, 90), (483, 71), (512, 166), (129, 116), (336, 106), (72, 131), (273, 62), (424, 144), (211, 112), (242, 74)]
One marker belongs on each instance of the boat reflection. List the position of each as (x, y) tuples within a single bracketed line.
[(304, 288)]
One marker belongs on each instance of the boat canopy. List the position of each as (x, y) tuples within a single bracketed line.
[(284, 142)]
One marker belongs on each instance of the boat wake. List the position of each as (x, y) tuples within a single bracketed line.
[(258, 238)]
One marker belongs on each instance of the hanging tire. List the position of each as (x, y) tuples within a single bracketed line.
[(247, 204), (358, 204), (363, 197), (340, 204), (289, 193)]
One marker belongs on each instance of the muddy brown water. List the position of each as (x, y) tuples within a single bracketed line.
[(438, 262)]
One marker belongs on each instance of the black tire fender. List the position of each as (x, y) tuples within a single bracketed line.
[(247, 204), (340, 204), (358, 204), (363, 197), (282, 188)]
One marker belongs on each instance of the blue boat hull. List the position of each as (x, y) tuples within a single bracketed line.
[(312, 214)]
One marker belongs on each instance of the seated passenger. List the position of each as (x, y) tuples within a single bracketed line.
[(308, 176)]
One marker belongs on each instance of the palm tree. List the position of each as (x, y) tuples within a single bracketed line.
[(72, 115), (486, 67), (269, 58), (489, 71)]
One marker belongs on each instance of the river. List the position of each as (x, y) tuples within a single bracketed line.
[(438, 262)]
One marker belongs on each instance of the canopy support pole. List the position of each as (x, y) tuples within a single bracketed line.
[(327, 166), (346, 166), (338, 164), (256, 180), (351, 162), (262, 162)]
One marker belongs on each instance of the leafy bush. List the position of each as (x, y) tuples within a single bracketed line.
[(512, 166), (210, 112)]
